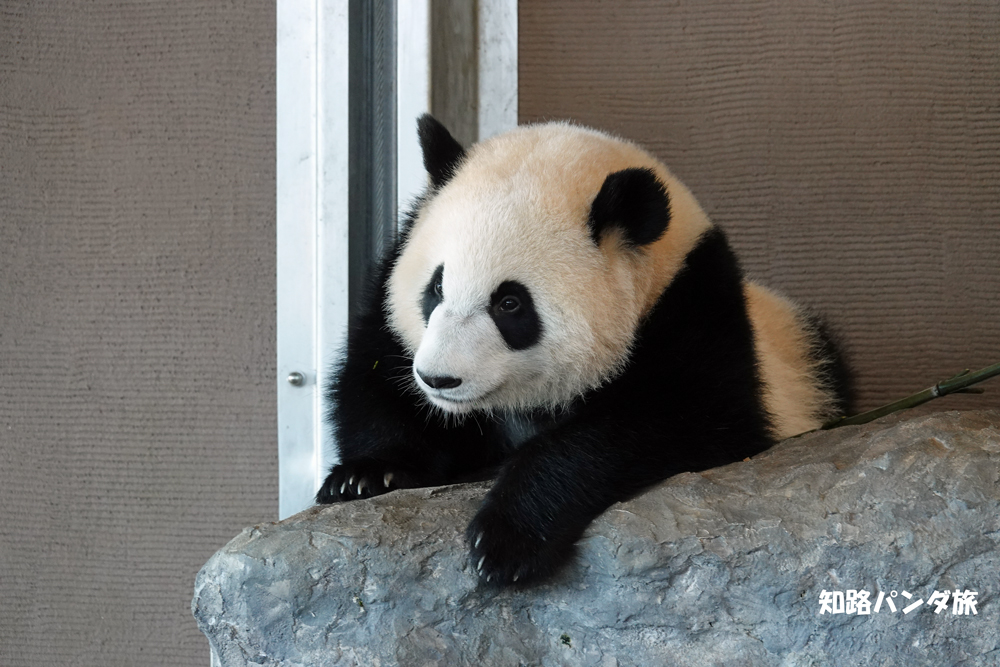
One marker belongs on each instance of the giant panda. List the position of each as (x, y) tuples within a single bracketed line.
[(560, 312)]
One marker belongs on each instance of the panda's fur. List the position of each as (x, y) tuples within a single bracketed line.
[(560, 309)]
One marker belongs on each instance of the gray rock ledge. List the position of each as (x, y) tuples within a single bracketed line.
[(723, 567)]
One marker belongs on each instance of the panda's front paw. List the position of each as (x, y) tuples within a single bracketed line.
[(362, 478), (505, 551)]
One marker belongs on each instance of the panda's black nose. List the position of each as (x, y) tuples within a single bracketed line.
[(440, 382)]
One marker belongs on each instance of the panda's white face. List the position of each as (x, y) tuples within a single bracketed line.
[(478, 346), (499, 325), (502, 295)]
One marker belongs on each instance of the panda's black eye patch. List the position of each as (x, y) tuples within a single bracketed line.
[(513, 311), (433, 293)]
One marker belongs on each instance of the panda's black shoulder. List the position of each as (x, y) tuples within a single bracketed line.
[(693, 369), (709, 284), (369, 337)]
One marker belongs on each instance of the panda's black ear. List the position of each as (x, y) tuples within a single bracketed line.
[(633, 200), (442, 153)]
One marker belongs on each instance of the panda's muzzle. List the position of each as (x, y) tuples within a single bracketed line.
[(440, 381), (461, 359)]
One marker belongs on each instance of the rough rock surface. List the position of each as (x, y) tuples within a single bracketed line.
[(724, 567)]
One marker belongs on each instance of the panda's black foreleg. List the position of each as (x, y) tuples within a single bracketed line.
[(377, 422), (387, 440), (544, 498)]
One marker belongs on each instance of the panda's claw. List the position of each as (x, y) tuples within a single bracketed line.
[(505, 552), (359, 479)]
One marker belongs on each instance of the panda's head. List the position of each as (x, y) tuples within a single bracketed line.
[(531, 262)]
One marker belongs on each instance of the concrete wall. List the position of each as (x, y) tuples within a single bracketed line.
[(850, 149), (137, 392)]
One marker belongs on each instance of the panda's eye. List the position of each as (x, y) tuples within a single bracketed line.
[(439, 290), (513, 312), (509, 305)]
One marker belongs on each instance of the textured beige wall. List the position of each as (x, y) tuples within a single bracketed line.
[(850, 149), (137, 399)]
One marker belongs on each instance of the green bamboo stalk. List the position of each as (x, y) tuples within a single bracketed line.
[(958, 384)]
